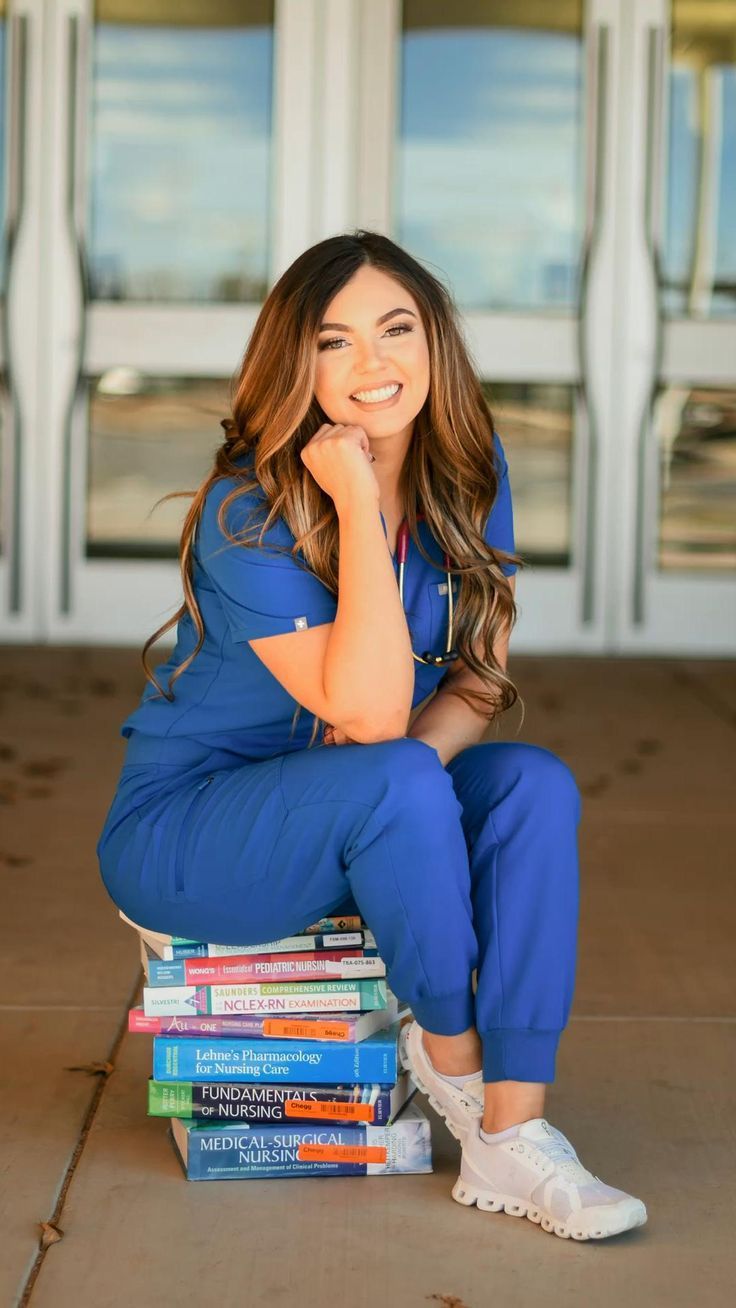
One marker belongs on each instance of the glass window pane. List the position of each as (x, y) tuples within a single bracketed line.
[(151, 435), (699, 239), (148, 436), (180, 150), (696, 433), (535, 423), (488, 182)]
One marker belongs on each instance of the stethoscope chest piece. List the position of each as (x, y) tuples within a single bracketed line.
[(437, 660)]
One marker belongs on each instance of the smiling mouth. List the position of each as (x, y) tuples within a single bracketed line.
[(387, 399)]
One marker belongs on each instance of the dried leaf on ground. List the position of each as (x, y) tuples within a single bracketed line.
[(50, 1234)]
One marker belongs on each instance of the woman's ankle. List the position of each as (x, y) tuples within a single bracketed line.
[(502, 1124), (454, 1055), (508, 1103)]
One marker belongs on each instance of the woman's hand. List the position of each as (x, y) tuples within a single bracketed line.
[(334, 736), (339, 458)]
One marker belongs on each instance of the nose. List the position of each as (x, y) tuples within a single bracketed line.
[(371, 358)]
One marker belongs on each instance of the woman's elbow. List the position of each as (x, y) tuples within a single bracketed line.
[(372, 731)]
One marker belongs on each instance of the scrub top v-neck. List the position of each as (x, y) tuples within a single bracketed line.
[(226, 698)]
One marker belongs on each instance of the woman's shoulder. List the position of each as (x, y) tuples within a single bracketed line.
[(248, 508)]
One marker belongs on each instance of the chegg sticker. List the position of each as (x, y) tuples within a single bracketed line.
[(306, 1030), (320, 1108), (317, 1153)]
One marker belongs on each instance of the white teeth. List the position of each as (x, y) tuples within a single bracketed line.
[(375, 396)]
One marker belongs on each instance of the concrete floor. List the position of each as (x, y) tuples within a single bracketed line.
[(645, 1084)]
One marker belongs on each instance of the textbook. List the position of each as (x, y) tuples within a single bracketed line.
[(335, 965), (161, 941), (265, 997), (280, 1061), (308, 943), (300, 1026), (313, 943), (241, 1101), (222, 1151)]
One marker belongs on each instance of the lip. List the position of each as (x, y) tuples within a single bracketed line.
[(383, 404)]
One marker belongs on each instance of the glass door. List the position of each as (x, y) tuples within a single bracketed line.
[(674, 587), (486, 149), (163, 194), (171, 203)]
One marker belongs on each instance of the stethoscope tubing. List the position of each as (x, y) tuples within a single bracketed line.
[(402, 549)]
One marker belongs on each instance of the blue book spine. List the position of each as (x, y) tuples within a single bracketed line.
[(278, 1061), (163, 973), (221, 1152)]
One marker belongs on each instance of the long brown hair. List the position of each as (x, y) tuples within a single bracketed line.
[(449, 469)]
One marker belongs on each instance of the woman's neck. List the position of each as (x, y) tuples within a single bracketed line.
[(388, 470)]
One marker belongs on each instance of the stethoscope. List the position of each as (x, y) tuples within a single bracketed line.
[(402, 547)]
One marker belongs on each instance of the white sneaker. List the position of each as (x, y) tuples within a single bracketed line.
[(537, 1174), (460, 1106)]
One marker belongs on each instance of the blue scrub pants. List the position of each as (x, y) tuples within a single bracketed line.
[(469, 866)]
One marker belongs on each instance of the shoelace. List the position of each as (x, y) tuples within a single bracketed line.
[(560, 1151)]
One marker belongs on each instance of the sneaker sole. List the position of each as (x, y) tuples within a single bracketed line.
[(460, 1133), (491, 1201)]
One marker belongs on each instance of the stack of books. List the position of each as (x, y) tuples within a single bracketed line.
[(279, 1059)]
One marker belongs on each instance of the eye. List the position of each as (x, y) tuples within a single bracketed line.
[(397, 327)]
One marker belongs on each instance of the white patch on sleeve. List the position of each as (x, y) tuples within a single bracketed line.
[(301, 624)]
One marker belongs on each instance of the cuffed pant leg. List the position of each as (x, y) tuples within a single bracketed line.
[(510, 1055), (521, 810)]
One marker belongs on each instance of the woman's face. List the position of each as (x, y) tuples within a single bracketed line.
[(364, 354)]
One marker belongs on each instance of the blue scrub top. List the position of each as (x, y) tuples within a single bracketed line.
[(227, 698)]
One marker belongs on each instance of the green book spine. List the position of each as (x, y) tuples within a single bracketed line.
[(171, 1100)]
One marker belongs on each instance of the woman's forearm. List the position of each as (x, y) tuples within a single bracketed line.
[(368, 669), (447, 722)]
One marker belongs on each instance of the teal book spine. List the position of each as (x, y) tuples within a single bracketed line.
[(268, 997)]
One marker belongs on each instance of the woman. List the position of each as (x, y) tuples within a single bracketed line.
[(356, 407)]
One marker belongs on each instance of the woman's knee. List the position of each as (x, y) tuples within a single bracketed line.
[(545, 771), (419, 812), (409, 761), (413, 776), (545, 774)]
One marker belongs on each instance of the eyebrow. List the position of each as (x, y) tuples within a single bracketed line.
[(343, 327)]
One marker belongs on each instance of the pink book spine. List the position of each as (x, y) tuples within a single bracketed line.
[(138, 1022), (293, 1026)]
